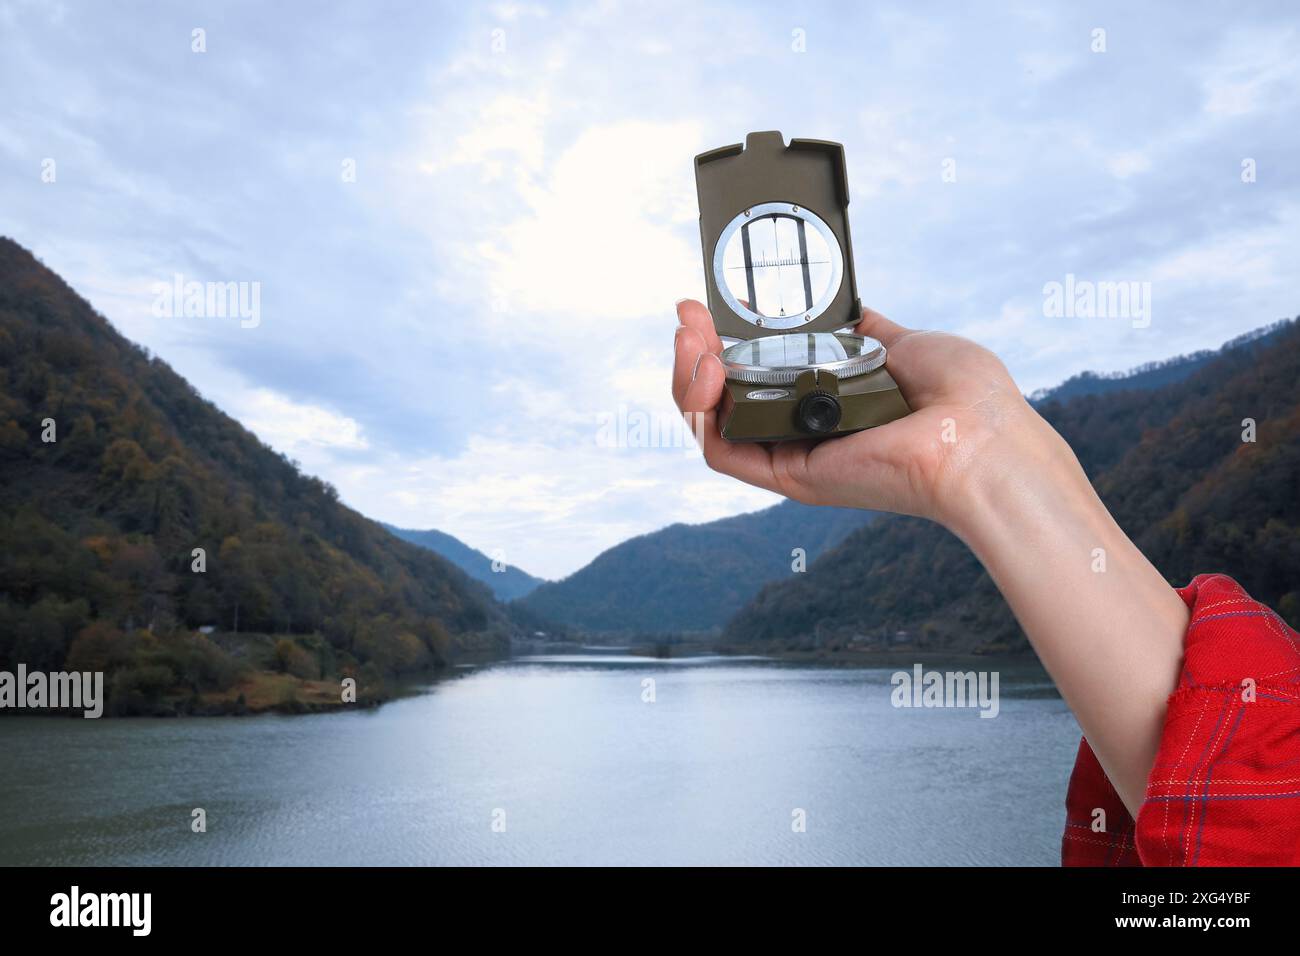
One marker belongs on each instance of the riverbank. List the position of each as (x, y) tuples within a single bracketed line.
[(266, 692), (185, 674), (836, 656), (253, 690)]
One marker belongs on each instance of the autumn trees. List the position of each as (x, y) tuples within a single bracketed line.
[(133, 512)]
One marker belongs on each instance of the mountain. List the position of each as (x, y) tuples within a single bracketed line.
[(117, 481), (1168, 460), (1155, 374), (507, 584), (690, 578)]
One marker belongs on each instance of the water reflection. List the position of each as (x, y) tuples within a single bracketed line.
[(565, 749)]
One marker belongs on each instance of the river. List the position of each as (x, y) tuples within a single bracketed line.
[(559, 760)]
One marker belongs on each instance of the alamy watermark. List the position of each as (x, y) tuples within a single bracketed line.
[(74, 908), (922, 688), (1085, 299), (37, 690), (191, 299), (636, 428)]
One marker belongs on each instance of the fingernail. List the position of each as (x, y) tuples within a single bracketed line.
[(696, 370), (677, 309)]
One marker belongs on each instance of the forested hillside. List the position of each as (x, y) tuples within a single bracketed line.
[(1171, 464), (506, 582), (113, 471), (690, 578)]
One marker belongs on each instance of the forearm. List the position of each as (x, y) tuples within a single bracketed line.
[(1111, 639)]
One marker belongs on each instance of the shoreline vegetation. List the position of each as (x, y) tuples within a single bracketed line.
[(195, 674), (279, 675)]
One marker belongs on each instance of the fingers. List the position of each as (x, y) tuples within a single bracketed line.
[(705, 387), (696, 337), (746, 461), (693, 315), (869, 461), (688, 346), (698, 381), (878, 327), (699, 375)]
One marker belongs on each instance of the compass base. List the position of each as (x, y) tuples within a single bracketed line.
[(773, 413)]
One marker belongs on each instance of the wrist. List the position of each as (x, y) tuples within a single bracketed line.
[(1022, 477)]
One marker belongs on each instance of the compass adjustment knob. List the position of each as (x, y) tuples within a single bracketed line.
[(818, 413)]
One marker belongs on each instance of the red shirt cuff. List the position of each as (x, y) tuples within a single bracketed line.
[(1225, 787)]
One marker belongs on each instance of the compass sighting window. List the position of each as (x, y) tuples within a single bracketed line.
[(778, 265)]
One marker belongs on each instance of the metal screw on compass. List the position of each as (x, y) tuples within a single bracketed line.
[(778, 266)]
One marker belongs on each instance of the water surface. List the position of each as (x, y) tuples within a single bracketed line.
[(581, 770)]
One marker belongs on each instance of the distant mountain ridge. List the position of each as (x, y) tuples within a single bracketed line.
[(691, 578), (1154, 374), (507, 584)]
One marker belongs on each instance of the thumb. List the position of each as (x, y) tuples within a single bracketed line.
[(878, 327), (705, 389)]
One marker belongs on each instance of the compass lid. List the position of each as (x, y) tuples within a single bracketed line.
[(774, 230)]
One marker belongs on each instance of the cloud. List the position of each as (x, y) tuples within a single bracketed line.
[(1254, 69), (600, 243), (548, 507), (297, 428), (441, 334)]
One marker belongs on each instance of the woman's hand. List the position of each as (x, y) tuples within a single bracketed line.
[(974, 456), (969, 423)]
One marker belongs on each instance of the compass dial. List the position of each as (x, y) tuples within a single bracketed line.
[(778, 265)]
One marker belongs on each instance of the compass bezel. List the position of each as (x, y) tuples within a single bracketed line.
[(871, 356), (792, 211)]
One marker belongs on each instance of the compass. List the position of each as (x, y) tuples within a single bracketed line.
[(778, 266)]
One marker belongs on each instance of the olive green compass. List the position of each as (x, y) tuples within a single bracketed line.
[(778, 266)]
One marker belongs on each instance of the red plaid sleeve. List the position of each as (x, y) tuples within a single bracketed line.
[(1225, 788)]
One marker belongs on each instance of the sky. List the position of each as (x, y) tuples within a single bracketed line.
[(467, 225)]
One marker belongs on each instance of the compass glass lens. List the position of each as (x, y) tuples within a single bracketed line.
[(799, 349), (780, 264)]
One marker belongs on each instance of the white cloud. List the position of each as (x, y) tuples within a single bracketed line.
[(1248, 259), (508, 136), (548, 507), (600, 242), (1254, 70), (295, 428)]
